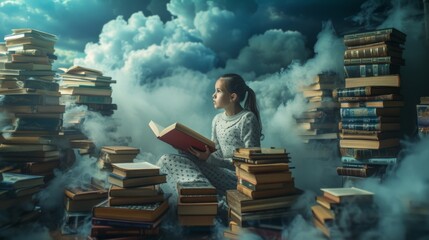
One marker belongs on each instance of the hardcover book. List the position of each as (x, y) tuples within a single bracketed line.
[(85, 192), (263, 168), (364, 91), (146, 191), (370, 70), (120, 150), (16, 181), (369, 112), (181, 137), (372, 161), (370, 144), (261, 178), (340, 195), (364, 153), (195, 188), (135, 169), (381, 81), (136, 181)]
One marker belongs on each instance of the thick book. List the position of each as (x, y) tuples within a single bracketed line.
[(181, 137), (209, 208), (364, 91), (263, 168), (33, 84), (370, 70), (117, 201), (322, 214), (4, 148), (137, 181), (371, 120), (127, 223), (79, 70), (36, 124), (317, 93), (147, 212), (260, 194), (381, 81), (370, 161), (34, 109), (195, 188), (120, 150), (17, 181), (135, 169), (268, 186), (370, 144), (197, 198), (83, 205), (356, 38), (363, 171), (385, 97), (369, 112), (85, 192), (260, 161), (382, 49), (370, 126), (375, 60), (258, 151), (261, 178), (376, 104), (86, 90), (147, 191), (341, 195), (86, 99), (116, 158), (319, 86), (364, 153), (369, 135)]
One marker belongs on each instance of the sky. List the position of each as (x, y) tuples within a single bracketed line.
[(166, 56)]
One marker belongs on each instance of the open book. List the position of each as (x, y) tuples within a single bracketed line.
[(181, 137)]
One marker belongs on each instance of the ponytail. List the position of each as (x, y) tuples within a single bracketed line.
[(235, 84)]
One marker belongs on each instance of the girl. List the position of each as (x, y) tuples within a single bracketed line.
[(236, 127)]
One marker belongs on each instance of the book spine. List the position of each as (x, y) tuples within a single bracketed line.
[(374, 161), (362, 40), (352, 92), (362, 126), (358, 112), (369, 153), (374, 60), (107, 222), (372, 120), (368, 34), (376, 51), (369, 70), (356, 172), (369, 98)]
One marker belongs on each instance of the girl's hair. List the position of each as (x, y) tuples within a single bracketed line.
[(235, 84)]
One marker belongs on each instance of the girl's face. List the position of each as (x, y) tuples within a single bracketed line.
[(221, 96)]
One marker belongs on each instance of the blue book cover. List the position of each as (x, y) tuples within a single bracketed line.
[(16, 180), (375, 161)]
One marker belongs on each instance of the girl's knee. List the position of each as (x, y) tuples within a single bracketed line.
[(163, 160)]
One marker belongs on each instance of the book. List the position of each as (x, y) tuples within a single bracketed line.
[(371, 161), (386, 97), (120, 150), (249, 218), (86, 90), (85, 192), (322, 214), (261, 161), (370, 144), (267, 186), (81, 70), (369, 112), (24, 66), (195, 188), (259, 151), (16, 181), (328, 77), (369, 135), (103, 232), (197, 198), (263, 168), (376, 104), (32, 84), (370, 70), (208, 208), (316, 93), (147, 191), (309, 126), (341, 195), (146, 213), (34, 109), (26, 147), (319, 86), (375, 60), (29, 91), (261, 178), (383, 81), (86, 99), (422, 116), (181, 137), (117, 201), (362, 171), (381, 49), (371, 120), (127, 223), (83, 205), (371, 36), (424, 100), (370, 153), (36, 124), (260, 194), (196, 220), (364, 91), (135, 169), (136, 181), (370, 126)]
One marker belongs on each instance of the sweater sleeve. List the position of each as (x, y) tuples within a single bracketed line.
[(250, 131)]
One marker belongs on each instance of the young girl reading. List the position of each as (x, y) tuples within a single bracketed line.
[(235, 127)]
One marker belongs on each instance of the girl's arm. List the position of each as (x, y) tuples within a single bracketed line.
[(250, 131)]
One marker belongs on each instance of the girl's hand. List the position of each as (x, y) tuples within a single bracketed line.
[(200, 155)]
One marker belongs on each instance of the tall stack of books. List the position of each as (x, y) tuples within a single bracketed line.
[(370, 102), (344, 213), (30, 102), (265, 187), (116, 154), (319, 122), (423, 117), (16, 198), (197, 203), (136, 204)]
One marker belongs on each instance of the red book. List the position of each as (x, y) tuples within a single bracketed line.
[(181, 137)]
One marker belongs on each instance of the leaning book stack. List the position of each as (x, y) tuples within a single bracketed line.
[(423, 117), (30, 103), (115, 154), (197, 204), (319, 122), (344, 213), (370, 103), (265, 187), (135, 206), (17, 202)]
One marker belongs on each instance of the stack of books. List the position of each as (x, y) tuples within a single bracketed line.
[(235, 232), (30, 102), (85, 86), (370, 102), (136, 204), (197, 203), (16, 198), (344, 213), (423, 117), (265, 187), (319, 121), (116, 154)]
